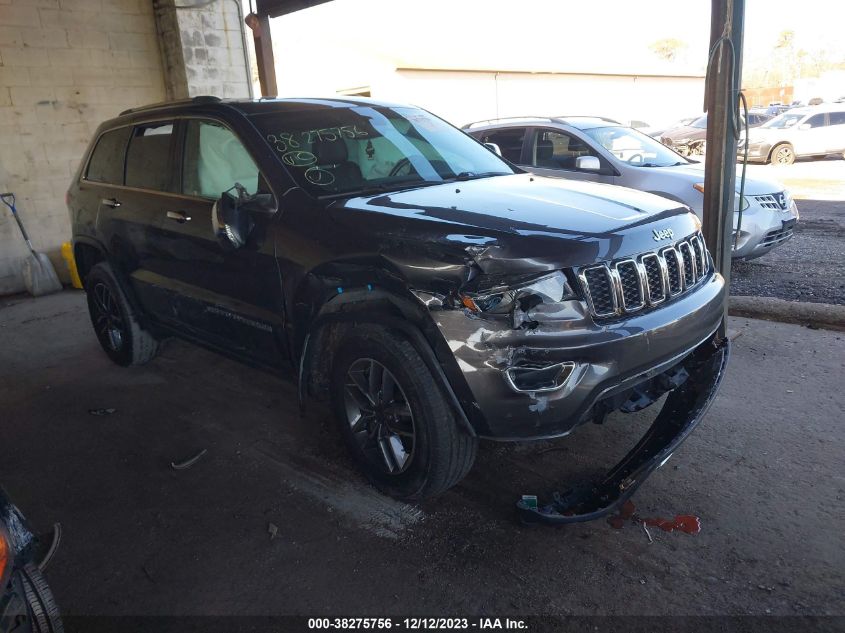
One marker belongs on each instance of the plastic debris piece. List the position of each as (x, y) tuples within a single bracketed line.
[(101, 411), (190, 462), (647, 533), (272, 530), (530, 501), (57, 538)]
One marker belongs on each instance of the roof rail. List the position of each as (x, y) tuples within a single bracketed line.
[(161, 104), (588, 116), (508, 118)]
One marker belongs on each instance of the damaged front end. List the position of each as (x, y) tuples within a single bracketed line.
[(683, 409)]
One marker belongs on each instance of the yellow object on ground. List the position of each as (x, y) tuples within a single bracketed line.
[(67, 253)]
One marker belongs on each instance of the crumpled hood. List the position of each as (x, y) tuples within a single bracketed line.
[(694, 173), (516, 223)]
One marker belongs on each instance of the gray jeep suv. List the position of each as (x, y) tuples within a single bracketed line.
[(392, 265)]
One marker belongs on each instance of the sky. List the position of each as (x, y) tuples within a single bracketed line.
[(349, 39)]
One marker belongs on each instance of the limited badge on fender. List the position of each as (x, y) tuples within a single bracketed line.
[(663, 234)]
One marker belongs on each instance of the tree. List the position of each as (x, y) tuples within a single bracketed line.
[(668, 48)]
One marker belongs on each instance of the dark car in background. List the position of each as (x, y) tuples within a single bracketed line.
[(690, 139), (432, 292)]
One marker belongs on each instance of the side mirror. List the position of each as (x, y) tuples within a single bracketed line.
[(804, 126), (494, 148), (231, 220), (588, 163)]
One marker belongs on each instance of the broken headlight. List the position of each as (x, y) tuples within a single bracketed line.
[(501, 296)]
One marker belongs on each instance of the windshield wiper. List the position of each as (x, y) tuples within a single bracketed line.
[(472, 175), (384, 187)]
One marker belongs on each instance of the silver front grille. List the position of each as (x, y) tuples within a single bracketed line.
[(776, 201), (628, 285)]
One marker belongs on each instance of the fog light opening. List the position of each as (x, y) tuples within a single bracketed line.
[(538, 378)]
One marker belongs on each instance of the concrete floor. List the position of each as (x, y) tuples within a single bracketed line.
[(764, 473)]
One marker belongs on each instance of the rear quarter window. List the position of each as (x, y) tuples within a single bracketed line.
[(106, 164)]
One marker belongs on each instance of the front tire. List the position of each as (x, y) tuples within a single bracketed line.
[(394, 417), (115, 324), (783, 154)]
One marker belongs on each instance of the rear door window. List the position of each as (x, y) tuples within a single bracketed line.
[(106, 164), (148, 157), (215, 160), (509, 141)]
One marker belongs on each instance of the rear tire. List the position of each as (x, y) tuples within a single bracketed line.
[(394, 417), (115, 324), (783, 154)]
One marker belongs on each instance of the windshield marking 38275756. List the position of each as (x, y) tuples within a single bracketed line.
[(373, 148)]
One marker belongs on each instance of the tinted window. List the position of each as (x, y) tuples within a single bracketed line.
[(509, 141), (557, 150), (106, 163), (837, 118), (215, 160), (815, 121), (148, 158)]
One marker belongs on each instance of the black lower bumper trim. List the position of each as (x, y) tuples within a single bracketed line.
[(682, 411)]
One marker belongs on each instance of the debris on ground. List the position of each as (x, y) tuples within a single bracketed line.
[(101, 411), (190, 462), (272, 530), (54, 545), (686, 523)]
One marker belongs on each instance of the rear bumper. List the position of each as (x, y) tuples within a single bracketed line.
[(608, 359)]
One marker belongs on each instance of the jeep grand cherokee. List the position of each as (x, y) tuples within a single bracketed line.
[(430, 290)]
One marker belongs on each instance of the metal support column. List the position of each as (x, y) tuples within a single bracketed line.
[(724, 79), (260, 25)]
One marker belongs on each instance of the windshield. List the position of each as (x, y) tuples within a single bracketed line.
[(700, 122), (635, 148), (784, 120), (333, 151)]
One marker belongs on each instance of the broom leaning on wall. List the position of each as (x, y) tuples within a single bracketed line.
[(39, 276)]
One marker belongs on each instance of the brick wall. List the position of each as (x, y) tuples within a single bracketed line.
[(68, 65), (65, 66)]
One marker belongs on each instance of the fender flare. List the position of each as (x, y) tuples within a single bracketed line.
[(401, 315)]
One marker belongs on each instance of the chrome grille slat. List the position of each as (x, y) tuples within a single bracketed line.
[(689, 264), (601, 295), (674, 270), (631, 284), (654, 278)]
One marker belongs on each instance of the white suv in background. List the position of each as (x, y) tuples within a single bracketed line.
[(601, 150), (813, 131)]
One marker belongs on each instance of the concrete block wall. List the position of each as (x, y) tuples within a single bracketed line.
[(65, 66), (68, 65), (203, 49)]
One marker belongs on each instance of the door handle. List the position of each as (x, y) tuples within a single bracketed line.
[(180, 216), (114, 203)]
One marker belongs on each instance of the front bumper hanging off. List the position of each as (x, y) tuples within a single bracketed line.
[(682, 411)]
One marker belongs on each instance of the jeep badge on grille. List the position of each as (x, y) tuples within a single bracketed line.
[(663, 234)]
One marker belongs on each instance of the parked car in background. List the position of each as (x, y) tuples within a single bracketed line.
[(690, 140), (814, 131), (431, 291), (600, 150), (655, 132)]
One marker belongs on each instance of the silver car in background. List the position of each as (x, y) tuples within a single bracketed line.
[(601, 150)]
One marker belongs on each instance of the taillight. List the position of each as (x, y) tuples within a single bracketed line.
[(5, 558)]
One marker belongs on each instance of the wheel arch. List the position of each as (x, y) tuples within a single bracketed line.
[(328, 306)]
